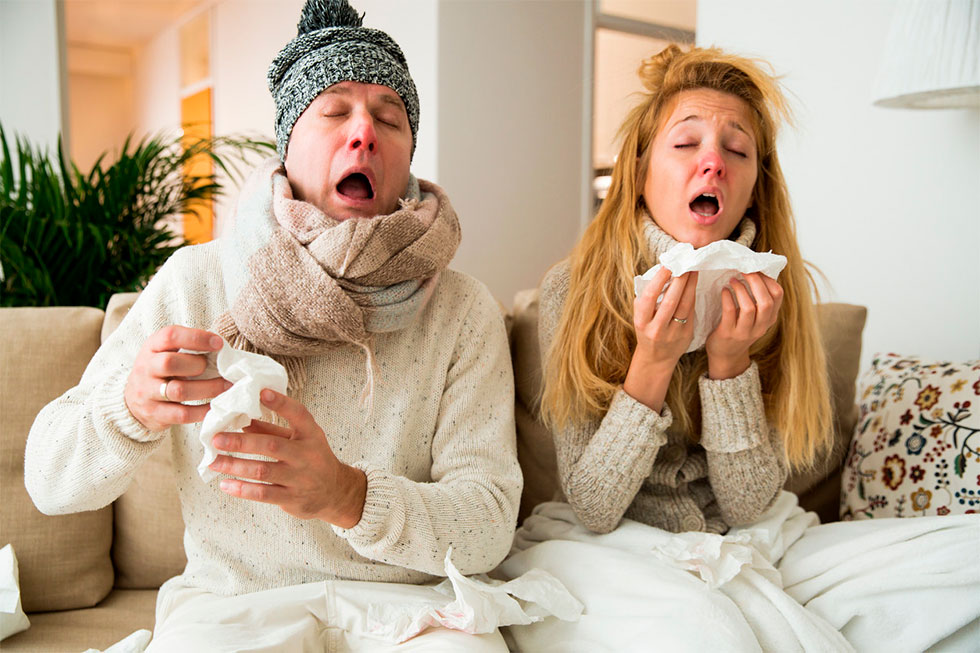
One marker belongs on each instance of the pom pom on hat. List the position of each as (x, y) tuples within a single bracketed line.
[(321, 14)]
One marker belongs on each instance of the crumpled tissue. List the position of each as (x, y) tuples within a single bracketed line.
[(135, 642), (480, 605), (716, 263), (237, 406), (717, 559), (12, 617)]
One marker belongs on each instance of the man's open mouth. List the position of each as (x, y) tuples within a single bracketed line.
[(356, 186), (705, 204)]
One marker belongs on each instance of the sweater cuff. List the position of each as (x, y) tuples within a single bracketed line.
[(382, 509), (634, 423), (111, 414), (733, 417)]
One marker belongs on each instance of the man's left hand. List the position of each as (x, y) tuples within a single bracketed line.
[(305, 478)]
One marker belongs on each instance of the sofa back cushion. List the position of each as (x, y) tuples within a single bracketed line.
[(64, 560), (841, 326), (148, 543)]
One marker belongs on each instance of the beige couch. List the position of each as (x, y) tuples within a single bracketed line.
[(90, 579)]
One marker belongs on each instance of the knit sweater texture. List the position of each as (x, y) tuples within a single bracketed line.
[(634, 463), (438, 448)]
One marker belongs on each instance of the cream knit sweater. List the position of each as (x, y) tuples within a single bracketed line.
[(438, 449), (632, 463)]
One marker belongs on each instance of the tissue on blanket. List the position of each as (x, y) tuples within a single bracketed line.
[(481, 605), (12, 617), (716, 264), (237, 406)]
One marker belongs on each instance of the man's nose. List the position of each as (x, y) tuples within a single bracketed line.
[(712, 163), (363, 136)]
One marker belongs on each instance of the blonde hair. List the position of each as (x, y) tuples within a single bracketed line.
[(595, 339)]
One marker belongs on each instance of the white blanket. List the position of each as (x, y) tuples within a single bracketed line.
[(645, 588)]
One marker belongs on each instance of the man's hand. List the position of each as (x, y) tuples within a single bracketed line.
[(305, 478), (742, 324), (159, 368)]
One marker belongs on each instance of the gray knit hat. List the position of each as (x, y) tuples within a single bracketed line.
[(332, 47)]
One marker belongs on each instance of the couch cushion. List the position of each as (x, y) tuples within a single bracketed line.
[(841, 326), (914, 450), (146, 552), (120, 614), (64, 560)]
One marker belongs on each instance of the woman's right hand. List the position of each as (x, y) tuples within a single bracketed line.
[(160, 378), (663, 334)]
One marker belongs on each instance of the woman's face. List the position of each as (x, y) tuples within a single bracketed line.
[(702, 167)]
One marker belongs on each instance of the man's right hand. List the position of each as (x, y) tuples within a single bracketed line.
[(160, 367)]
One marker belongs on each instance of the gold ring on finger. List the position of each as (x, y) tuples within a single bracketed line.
[(680, 320), (163, 391)]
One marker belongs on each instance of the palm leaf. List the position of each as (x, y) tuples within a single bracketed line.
[(74, 238)]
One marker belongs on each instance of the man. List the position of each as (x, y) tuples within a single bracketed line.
[(396, 439)]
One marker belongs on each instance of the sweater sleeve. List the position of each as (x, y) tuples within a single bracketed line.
[(85, 446), (745, 465), (602, 463), (471, 503)]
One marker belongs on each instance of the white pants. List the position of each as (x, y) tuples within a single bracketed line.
[(322, 616)]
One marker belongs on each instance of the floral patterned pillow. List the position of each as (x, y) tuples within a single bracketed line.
[(915, 447)]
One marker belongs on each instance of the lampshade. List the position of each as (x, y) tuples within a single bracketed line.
[(932, 56)]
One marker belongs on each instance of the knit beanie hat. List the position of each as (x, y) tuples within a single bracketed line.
[(332, 47)]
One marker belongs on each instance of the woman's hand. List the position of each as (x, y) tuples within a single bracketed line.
[(304, 478), (742, 324), (663, 334), (159, 379)]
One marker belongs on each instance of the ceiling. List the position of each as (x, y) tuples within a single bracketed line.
[(121, 24)]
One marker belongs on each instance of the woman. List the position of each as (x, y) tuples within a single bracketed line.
[(695, 442), (661, 452)]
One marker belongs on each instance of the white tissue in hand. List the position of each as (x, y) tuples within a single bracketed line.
[(237, 406), (716, 264)]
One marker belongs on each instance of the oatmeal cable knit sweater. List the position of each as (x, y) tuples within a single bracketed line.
[(633, 463), (438, 448)]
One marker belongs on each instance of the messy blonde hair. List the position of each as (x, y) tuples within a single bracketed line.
[(595, 338)]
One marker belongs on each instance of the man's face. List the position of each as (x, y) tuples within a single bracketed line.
[(349, 152)]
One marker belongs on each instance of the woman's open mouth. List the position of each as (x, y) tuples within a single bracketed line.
[(356, 186), (705, 205)]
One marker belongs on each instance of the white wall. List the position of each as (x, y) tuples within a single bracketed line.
[(101, 117), (884, 198), (31, 64), (510, 134), (157, 84)]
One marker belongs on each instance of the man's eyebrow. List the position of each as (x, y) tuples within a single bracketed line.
[(393, 99), (697, 118)]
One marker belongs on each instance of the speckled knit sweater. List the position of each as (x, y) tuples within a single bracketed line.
[(438, 448), (632, 463)]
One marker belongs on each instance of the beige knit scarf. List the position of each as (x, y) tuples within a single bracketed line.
[(300, 283)]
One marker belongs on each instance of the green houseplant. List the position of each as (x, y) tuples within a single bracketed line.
[(73, 239)]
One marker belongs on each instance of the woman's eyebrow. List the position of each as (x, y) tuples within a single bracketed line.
[(696, 118)]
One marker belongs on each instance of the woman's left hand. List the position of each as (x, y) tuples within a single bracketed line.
[(742, 324)]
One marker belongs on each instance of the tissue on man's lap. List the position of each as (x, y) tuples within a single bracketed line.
[(716, 264)]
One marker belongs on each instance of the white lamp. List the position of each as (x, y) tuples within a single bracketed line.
[(932, 56)]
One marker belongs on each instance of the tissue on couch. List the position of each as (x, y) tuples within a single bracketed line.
[(12, 617), (716, 264)]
